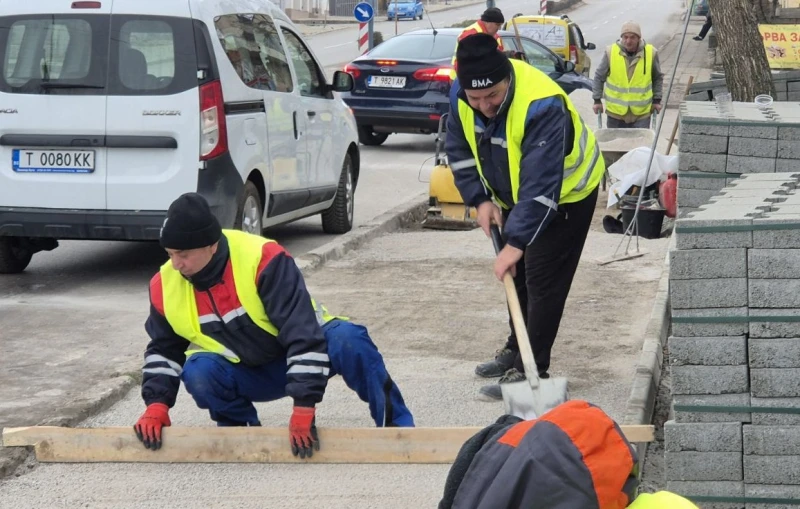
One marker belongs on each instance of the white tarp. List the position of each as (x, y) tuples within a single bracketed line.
[(629, 171)]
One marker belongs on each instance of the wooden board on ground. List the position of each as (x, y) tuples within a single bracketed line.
[(252, 444)]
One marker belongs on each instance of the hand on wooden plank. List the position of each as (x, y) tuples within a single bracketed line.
[(303, 432), (148, 427)]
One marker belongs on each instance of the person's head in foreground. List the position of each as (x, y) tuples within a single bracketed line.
[(484, 73), (572, 457), (630, 35), (190, 234)]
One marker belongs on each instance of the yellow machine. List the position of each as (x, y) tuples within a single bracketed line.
[(447, 210)]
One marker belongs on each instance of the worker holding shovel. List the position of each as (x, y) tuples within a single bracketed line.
[(523, 157), (230, 316)]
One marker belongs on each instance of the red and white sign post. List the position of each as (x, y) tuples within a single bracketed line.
[(542, 6), (363, 37)]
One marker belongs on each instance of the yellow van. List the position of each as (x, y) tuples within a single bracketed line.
[(559, 33)]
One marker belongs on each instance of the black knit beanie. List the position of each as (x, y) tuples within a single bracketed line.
[(492, 15), (190, 224), (479, 63)]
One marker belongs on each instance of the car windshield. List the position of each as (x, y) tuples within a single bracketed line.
[(417, 46)]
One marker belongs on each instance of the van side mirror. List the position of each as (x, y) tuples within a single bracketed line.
[(342, 82), (569, 66), (590, 45)]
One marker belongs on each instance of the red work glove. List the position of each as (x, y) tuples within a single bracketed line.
[(303, 432), (148, 427)]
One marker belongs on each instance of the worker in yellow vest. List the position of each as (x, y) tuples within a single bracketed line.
[(630, 80), (523, 157), (230, 316)]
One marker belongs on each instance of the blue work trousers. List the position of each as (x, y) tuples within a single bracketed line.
[(228, 390)]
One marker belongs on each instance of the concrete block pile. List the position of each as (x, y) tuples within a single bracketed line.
[(787, 85), (735, 344), (716, 148)]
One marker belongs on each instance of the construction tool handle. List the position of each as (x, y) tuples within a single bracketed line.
[(515, 309)]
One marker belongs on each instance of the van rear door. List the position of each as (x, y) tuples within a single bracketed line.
[(153, 115), (53, 104)]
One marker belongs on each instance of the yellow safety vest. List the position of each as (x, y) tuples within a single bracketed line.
[(635, 93), (180, 305), (661, 500), (583, 167)]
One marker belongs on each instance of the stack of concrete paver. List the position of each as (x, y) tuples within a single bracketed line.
[(787, 86), (715, 147), (735, 344)]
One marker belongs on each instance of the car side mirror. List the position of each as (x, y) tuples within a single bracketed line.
[(590, 45), (342, 82), (569, 66)]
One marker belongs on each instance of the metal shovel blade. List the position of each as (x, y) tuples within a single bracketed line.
[(530, 400)]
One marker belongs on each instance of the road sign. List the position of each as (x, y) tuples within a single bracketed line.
[(363, 12)]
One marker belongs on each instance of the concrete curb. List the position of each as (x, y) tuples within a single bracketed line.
[(641, 403), (99, 398), (399, 217)]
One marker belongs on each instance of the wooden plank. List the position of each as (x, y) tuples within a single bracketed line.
[(252, 444)]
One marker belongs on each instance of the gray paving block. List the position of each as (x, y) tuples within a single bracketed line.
[(789, 133), (684, 212), (772, 418), (708, 263), (694, 197), (709, 489), (694, 326), (709, 293), (772, 263), (773, 293), (704, 240), (788, 150), (749, 164), (770, 469), (769, 176), (768, 132), (690, 180), (714, 163), (777, 238), (703, 437), (783, 184), (714, 400), (774, 382), (774, 353), (771, 323), (712, 380), (768, 440), (704, 466), (771, 491), (703, 144), (703, 128), (752, 147), (783, 165), (713, 351)]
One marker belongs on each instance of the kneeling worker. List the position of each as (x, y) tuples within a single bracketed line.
[(231, 317), (514, 138)]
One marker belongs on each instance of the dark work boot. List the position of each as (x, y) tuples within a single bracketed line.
[(502, 362), (493, 392)]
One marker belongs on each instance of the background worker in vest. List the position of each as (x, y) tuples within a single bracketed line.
[(490, 23), (256, 334), (630, 80), (543, 169)]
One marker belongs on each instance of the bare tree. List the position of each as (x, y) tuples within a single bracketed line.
[(747, 71)]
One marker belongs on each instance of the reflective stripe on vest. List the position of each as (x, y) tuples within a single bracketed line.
[(622, 93), (180, 304), (583, 167)]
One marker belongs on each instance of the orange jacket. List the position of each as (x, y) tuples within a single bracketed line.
[(476, 28)]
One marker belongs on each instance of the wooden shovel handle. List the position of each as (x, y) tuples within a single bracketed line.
[(517, 319)]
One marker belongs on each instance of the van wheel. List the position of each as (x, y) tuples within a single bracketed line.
[(14, 258), (250, 213), (370, 138), (339, 217)]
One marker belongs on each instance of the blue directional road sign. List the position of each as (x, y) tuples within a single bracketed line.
[(363, 12)]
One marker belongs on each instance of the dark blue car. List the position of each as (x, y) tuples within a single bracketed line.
[(403, 84)]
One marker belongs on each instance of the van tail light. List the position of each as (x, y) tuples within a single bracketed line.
[(352, 70), (433, 74), (573, 54), (213, 130)]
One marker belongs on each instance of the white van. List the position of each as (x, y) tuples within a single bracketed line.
[(111, 109)]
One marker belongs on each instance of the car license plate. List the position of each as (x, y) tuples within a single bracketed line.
[(52, 161), (387, 81)]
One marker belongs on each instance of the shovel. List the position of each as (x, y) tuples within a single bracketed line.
[(532, 397)]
